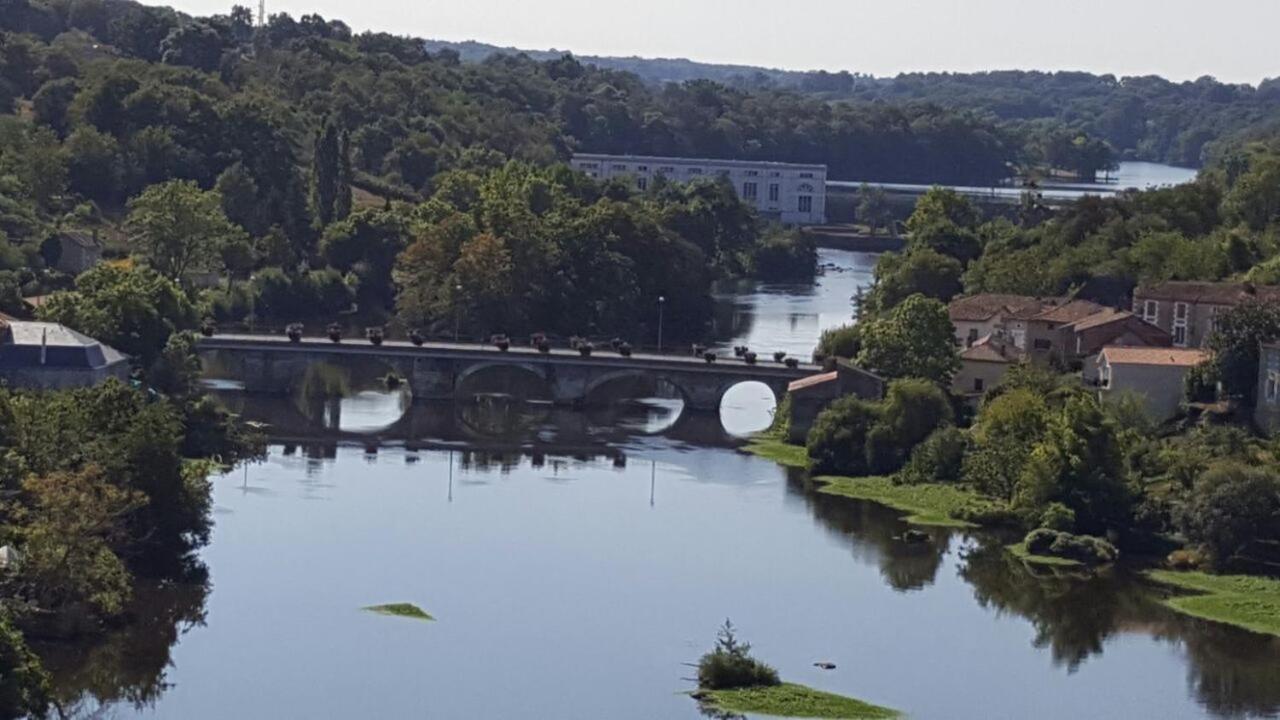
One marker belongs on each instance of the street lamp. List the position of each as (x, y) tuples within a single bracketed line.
[(662, 304), (457, 311)]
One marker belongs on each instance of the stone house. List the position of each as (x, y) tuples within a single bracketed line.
[(80, 250), (1157, 375), (1188, 310), (983, 365), (1266, 408), (810, 396), (42, 355), (978, 316)]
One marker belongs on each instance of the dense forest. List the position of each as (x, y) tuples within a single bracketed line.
[(1142, 118)]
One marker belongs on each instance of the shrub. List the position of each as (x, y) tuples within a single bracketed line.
[(938, 459), (844, 341), (1234, 510), (1083, 548), (1058, 517), (988, 513), (838, 439), (730, 665)]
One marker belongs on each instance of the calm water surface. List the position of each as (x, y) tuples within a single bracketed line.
[(576, 561)]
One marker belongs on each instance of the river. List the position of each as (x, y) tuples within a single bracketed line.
[(576, 562)]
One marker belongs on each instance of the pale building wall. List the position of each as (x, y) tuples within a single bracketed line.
[(1160, 386), (990, 373), (755, 182)]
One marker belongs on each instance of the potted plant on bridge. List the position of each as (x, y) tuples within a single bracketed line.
[(294, 332), (749, 357), (502, 342), (709, 357), (779, 356), (416, 337), (615, 343), (740, 350), (544, 345), (537, 339), (208, 327), (335, 332), (624, 349), (585, 348), (792, 363), (374, 335), (699, 350)]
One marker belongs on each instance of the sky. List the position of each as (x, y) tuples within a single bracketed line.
[(1233, 40)]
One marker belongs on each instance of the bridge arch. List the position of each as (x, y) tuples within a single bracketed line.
[(748, 406), (504, 378), (636, 378)]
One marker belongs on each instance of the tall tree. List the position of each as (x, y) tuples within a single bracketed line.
[(179, 228), (330, 174)]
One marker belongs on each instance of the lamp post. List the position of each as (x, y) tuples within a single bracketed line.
[(662, 304), (457, 311)]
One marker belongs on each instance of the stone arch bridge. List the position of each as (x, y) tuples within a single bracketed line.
[(435, 371)]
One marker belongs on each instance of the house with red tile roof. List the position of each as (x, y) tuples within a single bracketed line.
[(1188, 310), (1155, 374)]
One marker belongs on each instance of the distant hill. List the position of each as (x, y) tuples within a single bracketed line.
[(664, 70)]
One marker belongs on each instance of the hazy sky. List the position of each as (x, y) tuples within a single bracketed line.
[(1233, 40)]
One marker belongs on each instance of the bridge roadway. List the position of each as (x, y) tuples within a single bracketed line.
[(435, 371)]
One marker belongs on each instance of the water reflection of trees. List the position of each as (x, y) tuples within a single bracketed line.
[(126, 664), (876, 532), (1230, 671)]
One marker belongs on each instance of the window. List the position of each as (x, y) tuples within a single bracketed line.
[(642, 183), (642, 168), (804, 203), (773, 193), (1180, 317), (973, 337), (695, 171), (753, 173), (619, 168), (774, 173), (750, 191), (1271, 388), (1106, 376), (977, 384), (668, 170), (1042, 344), (804, 188), (1150, 311), (1273, 381), (806, 174), (589, 165)]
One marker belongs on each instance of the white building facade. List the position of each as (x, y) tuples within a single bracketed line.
[(790, 193)]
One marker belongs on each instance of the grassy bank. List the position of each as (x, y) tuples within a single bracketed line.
[(1245, 601), (405, 610), (926, 504), (1020, 551), (794, 701), (778, 451)]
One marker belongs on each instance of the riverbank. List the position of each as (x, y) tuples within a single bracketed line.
[(1246, 601), (848, 237), (793, 701)]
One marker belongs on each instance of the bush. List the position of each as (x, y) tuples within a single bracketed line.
[(844, 341), (939, 459), (1058, 517), (1082, 548), (1234, 511), (783, 255), (989, 513), (838, 439), (910, 413), (730, 665)]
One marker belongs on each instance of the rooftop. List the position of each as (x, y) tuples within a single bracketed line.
[(1214, 293), (992, 349), (657, 159), (31, 344), (813, 381), (1071, 312), (1173, 357), (977, 308)]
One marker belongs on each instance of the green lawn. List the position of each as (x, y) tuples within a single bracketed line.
[(778, 451), (927, 504), (794, 701), (405, 610), (1245, 601), (1020, 551)]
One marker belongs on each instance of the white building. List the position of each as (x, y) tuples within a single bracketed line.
[(790, 193)]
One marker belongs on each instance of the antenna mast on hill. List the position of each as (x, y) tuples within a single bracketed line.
[(262, 13)]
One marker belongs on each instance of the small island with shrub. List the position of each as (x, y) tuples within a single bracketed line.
[(730, 680)]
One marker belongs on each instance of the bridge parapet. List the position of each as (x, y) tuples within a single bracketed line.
[(274, 364)]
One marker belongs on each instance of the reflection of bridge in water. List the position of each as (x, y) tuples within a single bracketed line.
[(444, 371)]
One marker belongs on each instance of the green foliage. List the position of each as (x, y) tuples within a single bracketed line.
[(134, 310), (843, 341), (917, 272), (939, 459), (873, 208), (1233, 511), (24, 684), (1235, 341), (793, 701), (783, 256), (180, 229), (1245, 601), (937, 505), (915, 340), (730, 665), (404, 610), (912, 410), (838, 439), (1081, 548), (1059, 517)]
